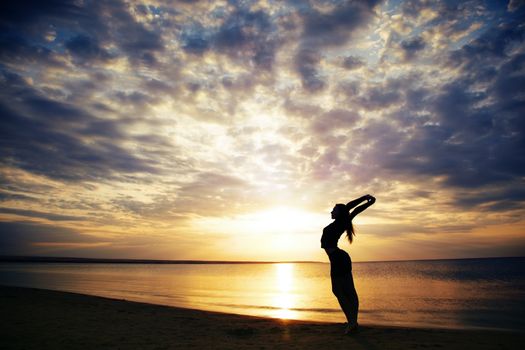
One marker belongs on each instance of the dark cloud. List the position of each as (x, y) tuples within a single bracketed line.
[(24, 11), (17, 185), (41, 215), (490, 48), (412, 46), (87, 48), (239, 84), (448, 11), (113, 23), (416, 98), (306, 62), (136, 98), (501, 199), (16, 48), (508, 84), (352, 62), (403, 50), (25, 238), (5, 196), (21, 238), (467, 134), (413, 8), (515, 5), (474, 137), (327, 30), (484, 126), (380, 97), (86, 28), (141, 45), (45, 136), (246, 35), (301, 109), (335, 27), (334, 120), (195, 43), (158, 86)]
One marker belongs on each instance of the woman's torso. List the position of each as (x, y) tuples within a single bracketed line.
[(331, 235)]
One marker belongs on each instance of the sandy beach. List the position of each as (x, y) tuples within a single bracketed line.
[(43, 319)]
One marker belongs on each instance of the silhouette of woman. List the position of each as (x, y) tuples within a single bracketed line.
[(340, 262)]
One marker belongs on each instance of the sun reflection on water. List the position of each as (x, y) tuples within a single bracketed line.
[(284, 299)]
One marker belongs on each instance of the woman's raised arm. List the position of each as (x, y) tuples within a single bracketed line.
[(370, 200), (355, 202)]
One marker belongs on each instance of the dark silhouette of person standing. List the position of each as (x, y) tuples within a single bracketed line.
[(340, 262)]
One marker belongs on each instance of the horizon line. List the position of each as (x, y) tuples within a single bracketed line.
[(54, 259)]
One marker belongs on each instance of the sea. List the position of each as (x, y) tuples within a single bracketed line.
[(463, 294)]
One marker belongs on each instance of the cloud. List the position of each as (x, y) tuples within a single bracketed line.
[(14, 47), (85, 30), (57, 132), (4, 196), (336, 26), (244, 35), (515, 5), (334, 119), (210, 194), (380, 97), (22, 238), (42, 215), (25, 11), (322, 31), (87, 48), (412, 46), (499, 199), (195, 43), (467, 152), (306, 62), (489, 48), (352, 62)]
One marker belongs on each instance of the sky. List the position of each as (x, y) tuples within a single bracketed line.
[(227, 130)]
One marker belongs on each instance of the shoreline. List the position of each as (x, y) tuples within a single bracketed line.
[(46, 319)]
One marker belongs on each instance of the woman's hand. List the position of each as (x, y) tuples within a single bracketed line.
[(370, 199)]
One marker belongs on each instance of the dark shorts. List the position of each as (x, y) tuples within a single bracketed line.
[(340, 263)]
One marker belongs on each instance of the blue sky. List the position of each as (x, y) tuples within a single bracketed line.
[(228, 129)]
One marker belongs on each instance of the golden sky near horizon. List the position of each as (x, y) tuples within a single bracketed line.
[(227, 130)]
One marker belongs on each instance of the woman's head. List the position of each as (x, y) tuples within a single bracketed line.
[(339, 211), (341, 215)]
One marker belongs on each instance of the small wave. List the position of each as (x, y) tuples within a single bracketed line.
[(269, 307)]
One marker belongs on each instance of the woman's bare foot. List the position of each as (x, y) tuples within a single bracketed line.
[(351, 328)]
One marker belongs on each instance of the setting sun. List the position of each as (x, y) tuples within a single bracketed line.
[(280, 220), (279, 233)]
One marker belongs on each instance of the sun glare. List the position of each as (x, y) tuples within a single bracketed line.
[(278, 233), (284, 299), (280, 219)]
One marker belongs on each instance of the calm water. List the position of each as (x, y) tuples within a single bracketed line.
[(474, 293)]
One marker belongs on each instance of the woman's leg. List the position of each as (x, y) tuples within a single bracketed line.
[(340, 288), (351, 294)]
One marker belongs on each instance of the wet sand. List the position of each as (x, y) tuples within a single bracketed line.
[(43, 319)]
